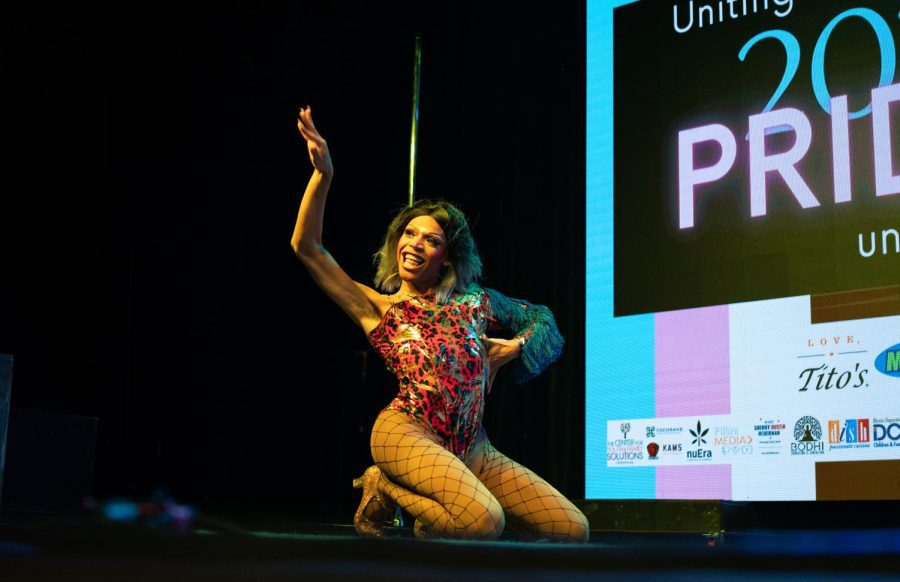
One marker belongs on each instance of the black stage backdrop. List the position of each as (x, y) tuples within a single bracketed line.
[(150, 196)]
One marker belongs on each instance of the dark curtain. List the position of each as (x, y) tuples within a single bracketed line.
[(149, 281)]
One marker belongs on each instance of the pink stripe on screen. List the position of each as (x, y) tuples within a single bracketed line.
[(694, 482), (692, 362), (693, 379)]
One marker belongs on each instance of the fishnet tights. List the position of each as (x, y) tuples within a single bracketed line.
[(450, 499), (533, 507)]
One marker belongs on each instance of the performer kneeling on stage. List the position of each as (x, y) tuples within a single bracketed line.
[(430, 324)]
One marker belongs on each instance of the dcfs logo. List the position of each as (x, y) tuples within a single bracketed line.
[(886, 432)]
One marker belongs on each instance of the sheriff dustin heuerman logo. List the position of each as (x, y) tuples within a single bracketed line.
[(699, 453)]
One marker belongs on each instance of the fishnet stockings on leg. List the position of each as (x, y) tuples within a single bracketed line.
[(532, 506), (430, 483)]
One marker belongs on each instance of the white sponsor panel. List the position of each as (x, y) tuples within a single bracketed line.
[(773, 479), (801, 393), (797, 368)]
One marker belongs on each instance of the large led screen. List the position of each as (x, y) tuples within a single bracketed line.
[(743, 245)]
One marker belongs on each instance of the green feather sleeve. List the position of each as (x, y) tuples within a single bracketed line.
[(535, 323)]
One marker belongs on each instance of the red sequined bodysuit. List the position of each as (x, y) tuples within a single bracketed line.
[(436, 353)]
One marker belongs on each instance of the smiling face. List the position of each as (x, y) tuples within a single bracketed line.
[(421, 253)]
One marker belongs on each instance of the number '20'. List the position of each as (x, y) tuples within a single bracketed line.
[(820, 88)]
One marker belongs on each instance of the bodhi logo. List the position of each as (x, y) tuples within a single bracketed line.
[(807, 437)]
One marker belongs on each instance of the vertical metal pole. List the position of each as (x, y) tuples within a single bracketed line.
[(414, 134), (417, 82)]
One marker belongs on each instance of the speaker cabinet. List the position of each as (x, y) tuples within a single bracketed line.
[(49, 461)]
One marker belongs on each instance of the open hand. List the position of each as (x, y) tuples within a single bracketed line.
[(315, 143)]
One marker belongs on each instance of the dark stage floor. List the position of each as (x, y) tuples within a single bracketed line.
[(89, 547)]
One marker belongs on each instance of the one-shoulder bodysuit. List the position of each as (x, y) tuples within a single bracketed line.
[(436, 353)]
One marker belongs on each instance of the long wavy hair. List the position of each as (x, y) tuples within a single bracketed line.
[(462, 254)]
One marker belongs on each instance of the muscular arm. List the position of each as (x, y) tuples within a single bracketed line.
[(357, 300)]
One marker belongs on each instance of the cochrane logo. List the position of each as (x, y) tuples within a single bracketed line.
[(886, 432), (854, 433), (699, 454), (888, 361), (807, 437), (654, 431)]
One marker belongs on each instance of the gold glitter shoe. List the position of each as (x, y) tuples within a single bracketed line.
[(368, 482)]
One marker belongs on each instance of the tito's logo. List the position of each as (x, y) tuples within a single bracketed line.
[(888, 361)]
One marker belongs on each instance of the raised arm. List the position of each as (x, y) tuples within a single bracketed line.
[(360, 302)]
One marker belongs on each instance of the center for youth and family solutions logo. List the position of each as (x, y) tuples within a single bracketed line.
[(624, 451), (807, 437)]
